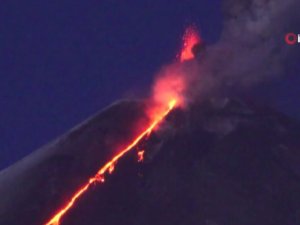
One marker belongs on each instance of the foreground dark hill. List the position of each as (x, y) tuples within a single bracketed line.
[(221, 162)]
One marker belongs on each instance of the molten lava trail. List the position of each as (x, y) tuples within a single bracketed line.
[(109, 166)]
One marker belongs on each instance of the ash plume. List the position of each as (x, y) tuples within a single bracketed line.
[(251, 49), (253, 38)]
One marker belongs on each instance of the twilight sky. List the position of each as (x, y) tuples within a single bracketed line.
[(62, 61)]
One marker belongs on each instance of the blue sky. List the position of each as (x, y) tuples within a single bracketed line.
[(62, 61)]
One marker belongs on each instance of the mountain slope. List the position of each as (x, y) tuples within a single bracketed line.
[(219, 162)]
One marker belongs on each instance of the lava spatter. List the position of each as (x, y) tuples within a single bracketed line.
[(191, 38)]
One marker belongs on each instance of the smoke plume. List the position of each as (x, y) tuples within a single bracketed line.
[(251, 49)]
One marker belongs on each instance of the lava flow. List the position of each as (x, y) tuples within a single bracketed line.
[(168, 91), (141, 155), (109, 166)]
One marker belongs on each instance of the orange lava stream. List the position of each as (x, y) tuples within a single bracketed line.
[(109, 166)]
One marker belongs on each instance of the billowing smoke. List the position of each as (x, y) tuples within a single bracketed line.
[(251, 49)]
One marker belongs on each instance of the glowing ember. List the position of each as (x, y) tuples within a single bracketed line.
[(190, 39), (109, 166), (141, 155)]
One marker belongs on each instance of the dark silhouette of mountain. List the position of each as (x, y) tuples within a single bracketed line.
[(219, 162)]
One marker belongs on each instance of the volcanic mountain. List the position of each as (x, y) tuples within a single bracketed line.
[(219, 162)]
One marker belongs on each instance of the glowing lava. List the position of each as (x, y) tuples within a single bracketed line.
[(190, 39), (110, 165), (168, 92), (141, 155)]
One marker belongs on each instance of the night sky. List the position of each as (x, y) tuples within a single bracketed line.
[(62, 61)]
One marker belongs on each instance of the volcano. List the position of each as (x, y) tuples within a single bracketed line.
[(219, 162)]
